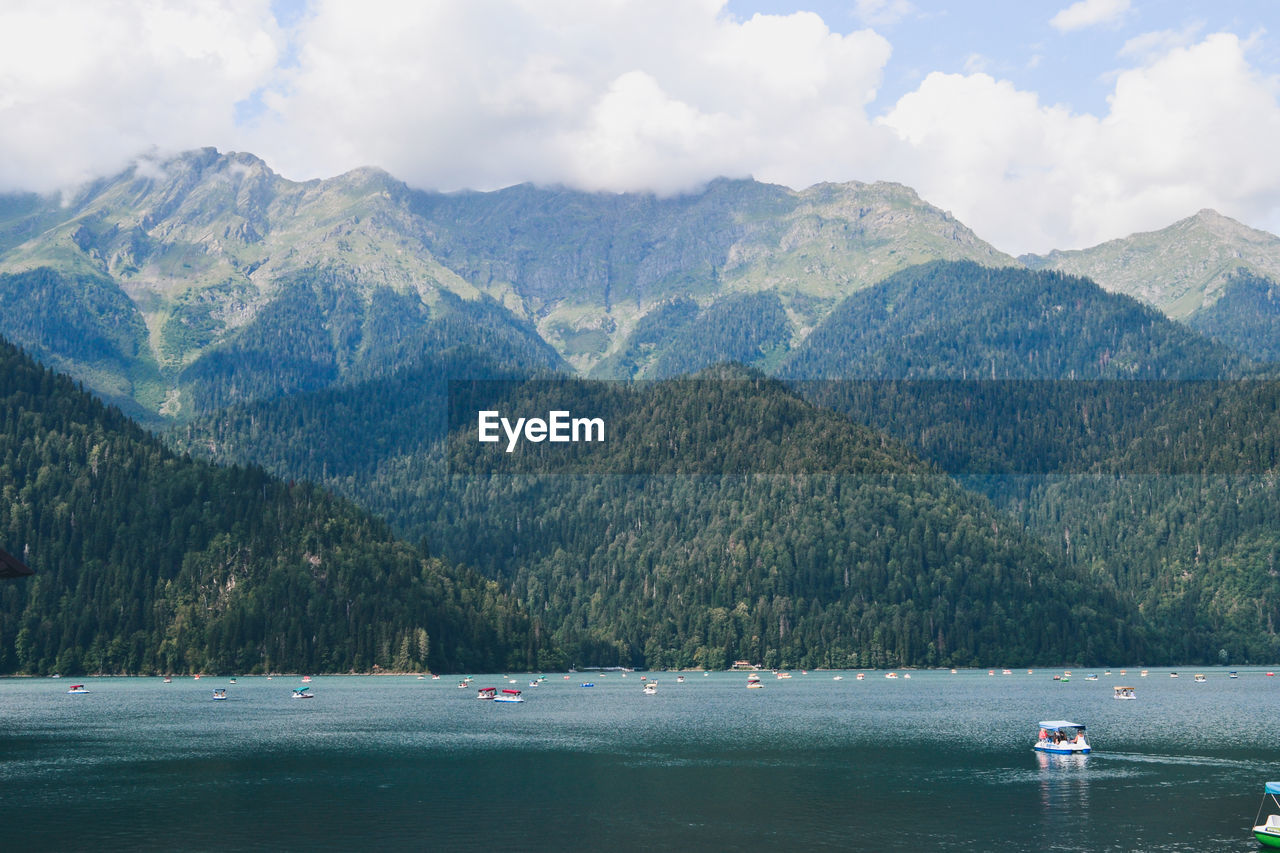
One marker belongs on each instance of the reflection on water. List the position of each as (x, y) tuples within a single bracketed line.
[(806, 763)]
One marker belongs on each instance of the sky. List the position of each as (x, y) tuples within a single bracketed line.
[(1053, 124)]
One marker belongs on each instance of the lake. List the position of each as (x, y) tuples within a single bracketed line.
[(935, 761)]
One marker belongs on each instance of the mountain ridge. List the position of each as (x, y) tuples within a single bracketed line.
[(200, 245), (1180, 269)]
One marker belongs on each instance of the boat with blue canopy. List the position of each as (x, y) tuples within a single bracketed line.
[(1268, 831), (1062, 737)]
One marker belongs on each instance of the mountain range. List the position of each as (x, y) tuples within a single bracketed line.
[(313, 329)]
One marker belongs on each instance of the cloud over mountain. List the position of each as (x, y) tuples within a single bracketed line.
[(659, 95)]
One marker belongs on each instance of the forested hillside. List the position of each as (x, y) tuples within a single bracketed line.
[(1167, 488), (1246, 317), (724, 519), (149, 562), (958, 320)]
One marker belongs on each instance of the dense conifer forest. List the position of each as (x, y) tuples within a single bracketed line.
[(147, 561)]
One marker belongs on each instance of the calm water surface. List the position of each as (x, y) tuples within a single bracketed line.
[(391, 763)]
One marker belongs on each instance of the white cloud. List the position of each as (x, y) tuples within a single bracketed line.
[(658, 95), (617, 95), (1191, 128), (1151, 45), (1089, 13), (85, 87)]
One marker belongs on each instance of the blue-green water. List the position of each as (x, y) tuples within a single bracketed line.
[(937, 761)]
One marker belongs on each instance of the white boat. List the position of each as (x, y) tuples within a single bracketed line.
[(784, 675), (1124, 693), (487, 693), (753, 681), (219, 694), (1062, 737), (508, 696), (1091, 678), (1268, 832), (891, 675), (303, 693), (651, 688), (78, 688), (1199, 679), (679, 679)]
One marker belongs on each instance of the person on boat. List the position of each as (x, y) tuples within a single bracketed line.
[(1044, 734)]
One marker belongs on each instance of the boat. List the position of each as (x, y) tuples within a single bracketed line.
[(784, 675), (508, 696), (679, 679), (1268, 832), (1173, 675), (168, 680), (1124, 693), (1143, 673), (533, 683), (78, 688), (651, 688), (487, 693), (859, 677), (588, 684), (841, 678), (463, 684), (1199, 679), (306, 679), (891, 675), (303, 693), (1062, 737), (1233, 674), (753, 681), (1091, 678), (219, 693)]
